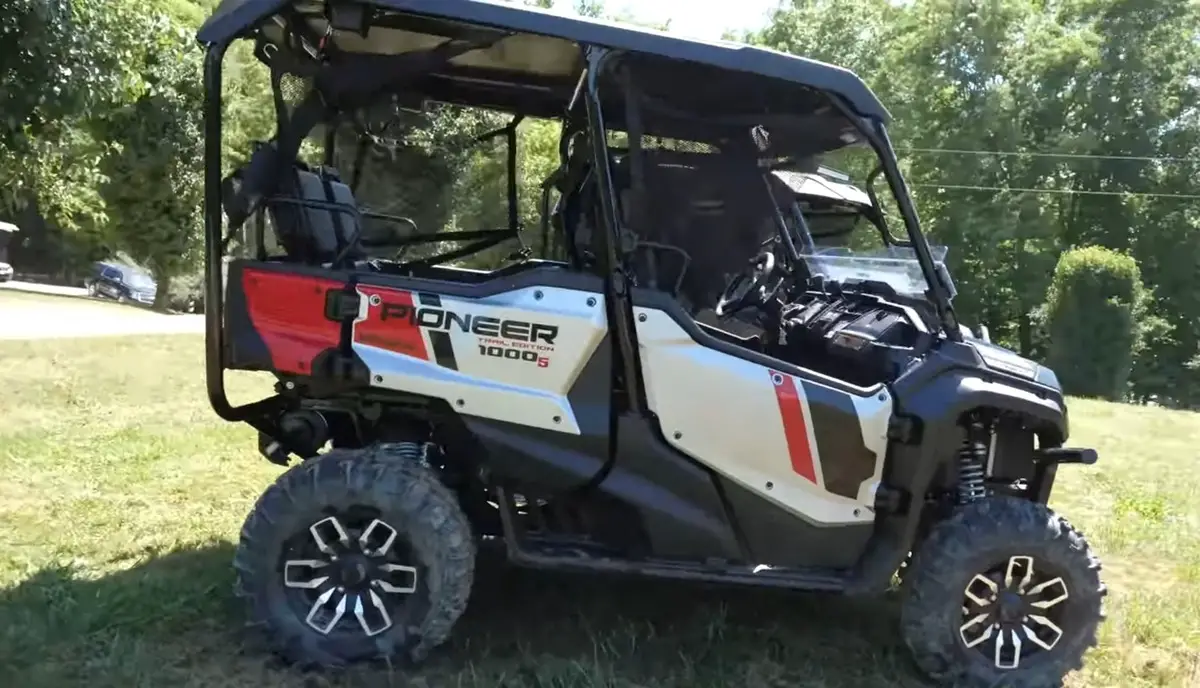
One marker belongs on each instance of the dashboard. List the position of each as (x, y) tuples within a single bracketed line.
[(857, 336)]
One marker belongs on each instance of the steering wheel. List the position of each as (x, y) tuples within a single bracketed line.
[(749, 287)]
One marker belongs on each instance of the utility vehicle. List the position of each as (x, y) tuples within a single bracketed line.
[(701, 378)]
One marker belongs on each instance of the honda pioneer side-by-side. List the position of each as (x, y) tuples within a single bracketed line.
[(729, 363)]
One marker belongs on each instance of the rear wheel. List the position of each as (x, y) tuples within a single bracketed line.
[(355, 555), (1004, 593)]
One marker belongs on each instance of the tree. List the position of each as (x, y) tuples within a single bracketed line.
[(1094, 306), (61, 62), (154, 164)]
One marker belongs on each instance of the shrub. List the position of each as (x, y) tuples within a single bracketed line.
[(1092, 311)]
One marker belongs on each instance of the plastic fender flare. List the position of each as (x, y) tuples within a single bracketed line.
[(967, 390), (976, 392), (939, 402)]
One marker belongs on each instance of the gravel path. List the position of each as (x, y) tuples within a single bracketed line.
[(34, 311)]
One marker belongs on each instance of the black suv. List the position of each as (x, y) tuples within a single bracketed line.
[(121, 282)]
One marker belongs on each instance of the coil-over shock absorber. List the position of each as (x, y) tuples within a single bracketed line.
[(972, 460)]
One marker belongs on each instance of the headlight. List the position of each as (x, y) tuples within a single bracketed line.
[(1007, 361)]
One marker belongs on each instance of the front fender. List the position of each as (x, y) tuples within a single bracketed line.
[(939, 405), (931, 398), (949, 382)]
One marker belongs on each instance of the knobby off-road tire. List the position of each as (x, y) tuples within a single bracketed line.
[(409, 497), (980, 537)]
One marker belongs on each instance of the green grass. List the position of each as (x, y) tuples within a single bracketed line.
[(121, 495)]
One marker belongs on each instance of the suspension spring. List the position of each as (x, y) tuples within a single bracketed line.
[(972, 462), (409, 451)]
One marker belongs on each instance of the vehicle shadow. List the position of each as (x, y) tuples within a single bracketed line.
[(172, 619)]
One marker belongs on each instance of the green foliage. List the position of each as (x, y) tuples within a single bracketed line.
[(61, 63), (415, 161), (61, 59), (154, 167), (1093, 309)]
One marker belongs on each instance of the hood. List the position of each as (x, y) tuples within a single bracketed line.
[(1008, 361)]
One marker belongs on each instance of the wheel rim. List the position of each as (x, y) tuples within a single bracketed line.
[(349, 573), (1014, 612)]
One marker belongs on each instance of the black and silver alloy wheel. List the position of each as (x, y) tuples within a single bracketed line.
[(1004, 593), (355, 555), (353, 578), (1012, 612)]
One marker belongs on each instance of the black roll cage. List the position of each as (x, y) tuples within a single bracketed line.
[(617, 285)]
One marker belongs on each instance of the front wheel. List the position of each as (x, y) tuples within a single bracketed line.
[(355, 555), (1003, 593)]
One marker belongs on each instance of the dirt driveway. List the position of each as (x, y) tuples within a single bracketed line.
[(36, 312)]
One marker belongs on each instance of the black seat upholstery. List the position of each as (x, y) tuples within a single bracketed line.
[(316, 216)]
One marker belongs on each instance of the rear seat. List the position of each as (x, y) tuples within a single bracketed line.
[(316, 235)]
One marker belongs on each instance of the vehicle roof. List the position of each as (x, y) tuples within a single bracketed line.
[(9, 227), (116, 264), (234, 18)]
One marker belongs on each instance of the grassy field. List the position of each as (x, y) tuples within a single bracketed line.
[(121, 494)]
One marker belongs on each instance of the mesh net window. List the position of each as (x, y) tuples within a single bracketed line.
[(695, 208), (429, 166), (619, 140), (290, 90)]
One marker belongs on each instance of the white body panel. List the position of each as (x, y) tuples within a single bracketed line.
[(726, 413), (530, 388)]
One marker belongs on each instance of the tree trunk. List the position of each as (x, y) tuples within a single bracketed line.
[(1024, 326), (162, 294)]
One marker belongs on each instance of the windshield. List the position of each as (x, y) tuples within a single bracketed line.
[(896, 266), (138, 279), (840, 239)]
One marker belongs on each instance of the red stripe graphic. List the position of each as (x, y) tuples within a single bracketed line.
[(399, 332), (795, 427)]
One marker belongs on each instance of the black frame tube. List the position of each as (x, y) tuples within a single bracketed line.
[(882, 144), (616, 283), (510, 139), (777, 213), (214, 297)]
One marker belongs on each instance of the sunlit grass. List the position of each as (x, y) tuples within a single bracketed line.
[(121, 494)]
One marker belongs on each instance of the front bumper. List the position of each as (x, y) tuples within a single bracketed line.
[(1045, 467), (1059, 455)]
